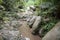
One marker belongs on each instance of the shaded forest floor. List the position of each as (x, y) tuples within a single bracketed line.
[(26, 32)]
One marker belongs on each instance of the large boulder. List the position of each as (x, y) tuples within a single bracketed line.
[(54, 34), (36, 24)]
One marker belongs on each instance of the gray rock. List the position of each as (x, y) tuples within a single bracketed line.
[(31, 21), (10, 34), (53, 34), (36, 23), (41, 32), (33, 8), (27, 38), (12, 24), (15, 24), (2, 8)]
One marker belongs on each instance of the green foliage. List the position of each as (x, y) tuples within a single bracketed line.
[(47, 26), (37, 2), (48, 10), (4, 15), (1, 1), (12, 5), (29, 2)]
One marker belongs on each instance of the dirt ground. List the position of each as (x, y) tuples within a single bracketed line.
[(26, 32)]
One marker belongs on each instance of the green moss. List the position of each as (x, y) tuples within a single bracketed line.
[(1, 1)]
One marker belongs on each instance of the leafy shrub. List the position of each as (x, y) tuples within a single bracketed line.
[(1, 1), (12, 5), (48, 10), (47, 26)]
